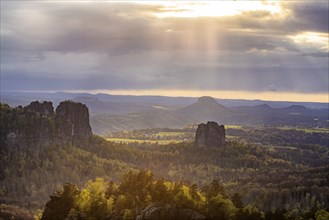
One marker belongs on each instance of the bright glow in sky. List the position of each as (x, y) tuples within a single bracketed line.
[(318, 39), (214, 8), (274, 50)]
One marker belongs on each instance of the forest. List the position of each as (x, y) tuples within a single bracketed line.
[(138, 192), (267, 177), (261, 173)]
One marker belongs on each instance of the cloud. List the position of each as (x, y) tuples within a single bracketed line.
[(116, 28), (56, 45), (309, 16)]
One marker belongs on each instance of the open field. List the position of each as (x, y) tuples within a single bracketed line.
[(265, 135), (128, 140), (171, 133), (306, 130), (231, 137), (233, 126)]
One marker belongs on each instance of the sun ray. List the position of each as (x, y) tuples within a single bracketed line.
[(212, 8)]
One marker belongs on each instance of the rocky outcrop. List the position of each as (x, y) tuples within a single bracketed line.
[(72, 120), (43, 108), (37, 125), (210, 135), (161, 211), (60, 203)]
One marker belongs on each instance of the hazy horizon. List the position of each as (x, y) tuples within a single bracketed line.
[(229, 95)]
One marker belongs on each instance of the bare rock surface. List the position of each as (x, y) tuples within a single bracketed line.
[(210, 135)]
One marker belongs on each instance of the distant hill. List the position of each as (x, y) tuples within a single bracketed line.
[(205, 109), (156, 118), (208, 109), (24, 98), (127, 112), (99, 106)]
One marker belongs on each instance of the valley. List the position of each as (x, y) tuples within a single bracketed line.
[(274, 169), (110, 113)]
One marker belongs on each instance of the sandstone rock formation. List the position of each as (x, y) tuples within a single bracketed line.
[(60, 203), (37, 125), (210, 135), (43, 108), (72, 120), (161, 211)]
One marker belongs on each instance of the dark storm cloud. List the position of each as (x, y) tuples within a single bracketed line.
[(310, 16), (301, 16), (124, 46)]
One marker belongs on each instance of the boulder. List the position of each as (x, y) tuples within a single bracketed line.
[(210, 135)]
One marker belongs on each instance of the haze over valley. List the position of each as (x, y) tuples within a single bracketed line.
[(117, 113)]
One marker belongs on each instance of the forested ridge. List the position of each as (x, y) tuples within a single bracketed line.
[(280, 180), (140, 195)]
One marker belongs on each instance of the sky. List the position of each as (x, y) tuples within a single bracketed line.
[(270, 50)]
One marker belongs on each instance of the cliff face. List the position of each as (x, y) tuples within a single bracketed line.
[(37, 125), (72, 120), (210, 135)]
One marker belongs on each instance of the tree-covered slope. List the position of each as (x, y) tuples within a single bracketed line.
[(291, 178)]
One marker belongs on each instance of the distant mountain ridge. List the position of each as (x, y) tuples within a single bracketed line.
[(113, 113), (208, 109), (24, 98)]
